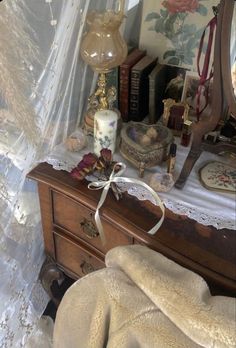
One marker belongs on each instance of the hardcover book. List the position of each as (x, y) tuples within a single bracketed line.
[(157, 87), (125, 71), (139, 93)]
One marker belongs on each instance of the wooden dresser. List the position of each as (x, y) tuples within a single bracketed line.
[(74, 247)]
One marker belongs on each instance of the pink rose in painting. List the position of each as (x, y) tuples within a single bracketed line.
[(175, 6)]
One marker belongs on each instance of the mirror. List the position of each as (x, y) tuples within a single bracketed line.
[(233, 49), (223, 91), (228, 53)]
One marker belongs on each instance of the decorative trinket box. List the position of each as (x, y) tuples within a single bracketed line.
[(218, 176), (145, 145)]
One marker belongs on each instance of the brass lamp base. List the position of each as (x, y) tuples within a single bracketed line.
[(101, 99)]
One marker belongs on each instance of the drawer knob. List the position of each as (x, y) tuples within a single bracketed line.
[(87, 267), (89, 228)]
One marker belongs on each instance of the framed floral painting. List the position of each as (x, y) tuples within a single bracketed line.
[(171, 29)]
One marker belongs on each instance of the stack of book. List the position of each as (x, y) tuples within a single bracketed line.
[(139, 88), (125, 79), (142, 83)]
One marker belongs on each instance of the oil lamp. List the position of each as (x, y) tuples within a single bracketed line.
[(103, 48)]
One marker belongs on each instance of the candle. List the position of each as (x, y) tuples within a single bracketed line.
[(105, 126)]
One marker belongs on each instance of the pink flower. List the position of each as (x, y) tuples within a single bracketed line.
[(90, 159), (106, 155), (77, 174), (224, 178), (91, 163), (85, 166), (175, 6)]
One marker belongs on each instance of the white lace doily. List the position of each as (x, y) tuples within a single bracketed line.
[(194, 200)]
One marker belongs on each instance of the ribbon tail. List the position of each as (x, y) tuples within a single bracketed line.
[(100, 227), (158, 225), (114, 178), (154, 195), (97, 216)]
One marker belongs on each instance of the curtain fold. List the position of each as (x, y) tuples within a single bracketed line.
[(39, 66), (44, 86)]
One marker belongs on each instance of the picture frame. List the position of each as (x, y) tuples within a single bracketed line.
[(175, 78), (174, 115), (160, 32)]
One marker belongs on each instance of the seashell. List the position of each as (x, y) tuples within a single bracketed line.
[(76, 141)]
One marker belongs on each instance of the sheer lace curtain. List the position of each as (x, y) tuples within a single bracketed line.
[(44, 86)]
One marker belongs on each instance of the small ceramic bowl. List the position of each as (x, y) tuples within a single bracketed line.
[(145, 145)]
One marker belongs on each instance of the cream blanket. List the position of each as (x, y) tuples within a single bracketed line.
[(142, 299)]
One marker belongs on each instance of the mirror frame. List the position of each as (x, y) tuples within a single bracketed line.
[(225, 40)]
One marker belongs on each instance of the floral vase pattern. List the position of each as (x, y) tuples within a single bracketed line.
[(172, 29), (105, 129)]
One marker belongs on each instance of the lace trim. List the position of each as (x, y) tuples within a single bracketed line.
[(139, 192), (178, 208), (205, 219), (58, 164)]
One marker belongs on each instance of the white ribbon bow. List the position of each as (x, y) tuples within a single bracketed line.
[(116, 178)]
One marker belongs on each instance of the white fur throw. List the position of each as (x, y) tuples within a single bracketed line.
[(142, 299)]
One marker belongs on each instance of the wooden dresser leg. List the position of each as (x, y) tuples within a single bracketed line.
[(48, 275), (193, 156)]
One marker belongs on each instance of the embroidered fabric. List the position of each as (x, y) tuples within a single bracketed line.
[(194, 200)]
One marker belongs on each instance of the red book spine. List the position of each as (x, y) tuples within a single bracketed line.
[(124, 92)]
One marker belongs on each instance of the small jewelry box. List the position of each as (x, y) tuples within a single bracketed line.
[(145, 145)]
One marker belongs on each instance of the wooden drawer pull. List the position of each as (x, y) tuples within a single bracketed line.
[(87, 267), (89, 228)]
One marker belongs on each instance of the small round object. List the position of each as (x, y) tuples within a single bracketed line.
[(161, 182), (152, 133), (76, 141), (145, 140)]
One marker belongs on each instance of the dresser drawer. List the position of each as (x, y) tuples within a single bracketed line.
[(79, 220), (74, 257)]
